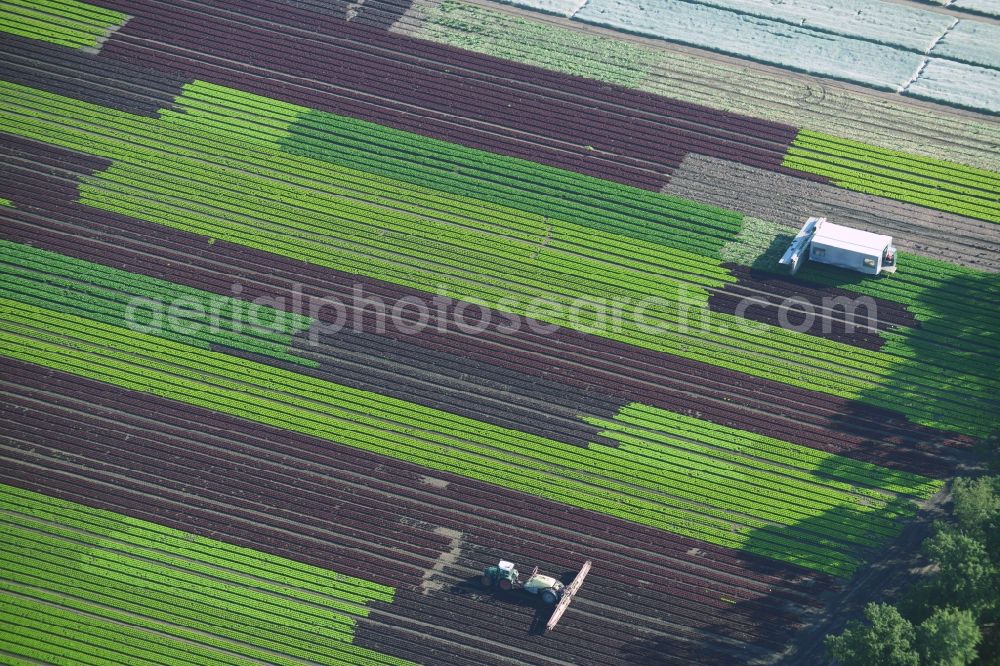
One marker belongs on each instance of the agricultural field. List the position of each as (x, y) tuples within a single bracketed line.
[(312, 309)]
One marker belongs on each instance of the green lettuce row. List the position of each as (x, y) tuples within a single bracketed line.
[(870, 181), (98, 524), (64, 22), (944, 170), (697, 477), (780, 451), (924, 181), (341, 598), (192, 602), (86, 640), (107, 294), (87, 564), (647, 216)]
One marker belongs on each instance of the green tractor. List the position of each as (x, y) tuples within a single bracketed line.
[(504, 576)]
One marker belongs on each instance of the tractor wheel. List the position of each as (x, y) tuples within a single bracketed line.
[(486, 581), (504, 584), (549, 597)]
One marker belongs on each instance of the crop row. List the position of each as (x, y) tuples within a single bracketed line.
[(572, 49), (927, 182), (426, 81), (599, 367), (512, 183), (916, 371), (297, 473), (113, 296), (561, 124), (495, 509), (120, 221), (64, 22), (261, 115), (363, 264), (192, 589), (935, 169), (691, 602), (785, 453), (72, 72), (441, 440), (707, 346)]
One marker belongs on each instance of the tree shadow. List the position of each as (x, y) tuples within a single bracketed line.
[(815, 603)]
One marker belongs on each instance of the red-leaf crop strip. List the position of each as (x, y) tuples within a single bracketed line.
[(378, 61), (68, 565), (115, 83), (533, 38), (292, 468), (769, 293)]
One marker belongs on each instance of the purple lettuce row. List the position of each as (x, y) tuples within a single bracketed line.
[(320, 28), (90, 77), (381, 15), (463, 613), (488, 392), (378, 15), (564, 114), (211, 477), (609, 370), (401, 480), (559, 85), (124, 437), (435, 125), (777, 290), (30, 170), (735, 303), (524, 110)]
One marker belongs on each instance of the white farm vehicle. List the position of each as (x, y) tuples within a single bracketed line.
[(828, 243), (551, 591)]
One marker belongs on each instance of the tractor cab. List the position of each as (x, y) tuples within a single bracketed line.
[(503, 575)]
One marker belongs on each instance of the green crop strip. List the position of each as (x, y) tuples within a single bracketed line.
[(72, 577), (216, 167), (822, 491), (690, 491), (64, 22), (924, 181), (166, 309), (543, 45), (6, 202), (546, 191)]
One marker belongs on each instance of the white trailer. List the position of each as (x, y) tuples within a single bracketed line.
[(828, 243)]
